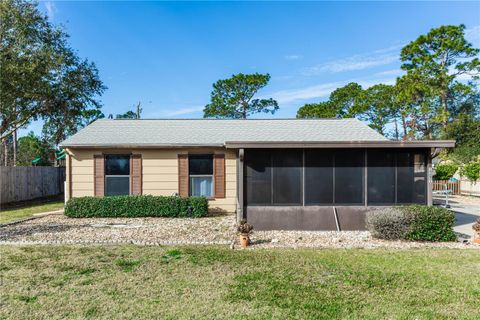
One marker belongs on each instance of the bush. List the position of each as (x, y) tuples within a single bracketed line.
[(472, 171), (445, 171), (388, 223), (136, 206), (430, 223), (415, 223)]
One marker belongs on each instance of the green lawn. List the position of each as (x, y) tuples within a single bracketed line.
[(128, 282), (13, 214)]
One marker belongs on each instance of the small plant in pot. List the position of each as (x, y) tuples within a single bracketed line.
[(244, 230), (476, 234)]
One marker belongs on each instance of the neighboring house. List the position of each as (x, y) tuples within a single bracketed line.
[(279, 174)]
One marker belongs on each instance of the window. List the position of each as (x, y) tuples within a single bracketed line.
[(274, 177), (411, 177), (318, 176), (381, 176), (287, 177), (200, 169), (396, 177), (334, 177), (349, 176), (117, 175), (258, 173)]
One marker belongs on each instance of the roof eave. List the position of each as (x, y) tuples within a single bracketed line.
[(279, 144), (342, 144), (138, 146)]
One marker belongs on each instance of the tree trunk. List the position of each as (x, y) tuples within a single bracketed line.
[(380, 125), (443, 97), (15, 147), (5, 144), (396, 129), (404, 125), (428, 129)]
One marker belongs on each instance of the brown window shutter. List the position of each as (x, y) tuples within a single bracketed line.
[(99, 175), (136, 174), (183, 175), (219, 175)]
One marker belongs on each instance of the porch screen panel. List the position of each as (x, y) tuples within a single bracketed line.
[(381, 176), (349, 176), (318, 176), (411, 177), (287, 177), (258, 173)]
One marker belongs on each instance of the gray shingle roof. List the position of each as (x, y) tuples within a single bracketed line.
[(213, 132)]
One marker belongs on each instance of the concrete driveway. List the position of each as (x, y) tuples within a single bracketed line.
[(467, 211)]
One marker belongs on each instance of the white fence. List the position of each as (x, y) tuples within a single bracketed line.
[(27, 183), (469, 188)]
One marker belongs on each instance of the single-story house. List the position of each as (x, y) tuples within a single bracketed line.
[(294, 174)]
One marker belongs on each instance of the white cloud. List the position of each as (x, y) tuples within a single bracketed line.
[(323, 90), (293, 57), (51, 9), (183, 111), (392, 72), (357, 62)]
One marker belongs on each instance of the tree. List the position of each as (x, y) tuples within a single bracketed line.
[(346, 100), (31, 147), (376, 105), (42, 77), (437, 60), (465, 130), (415, 100), (342, 103), (445, 171), (127, 115), (233, 97), (317, 110), (426, 99), (472, 171), (73, 100), (131, 114)]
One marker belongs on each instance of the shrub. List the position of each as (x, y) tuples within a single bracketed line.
[(415, 223), (472, 171), (445, 171), (430, 223), (388, 223), (136, 206)]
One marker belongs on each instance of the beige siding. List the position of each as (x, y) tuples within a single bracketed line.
[(160, 173), (82, 173)]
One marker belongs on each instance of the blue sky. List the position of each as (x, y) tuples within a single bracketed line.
[(168, 54)]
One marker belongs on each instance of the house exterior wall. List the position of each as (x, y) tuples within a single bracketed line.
[(159, 172)]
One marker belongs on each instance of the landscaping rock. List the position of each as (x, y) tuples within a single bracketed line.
[(58, 229)]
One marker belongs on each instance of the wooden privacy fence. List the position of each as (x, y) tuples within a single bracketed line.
[(27, 183), (454, 186)]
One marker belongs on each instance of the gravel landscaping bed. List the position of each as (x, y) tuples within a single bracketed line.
[(209, 230), (61, 228), (342, 239)]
